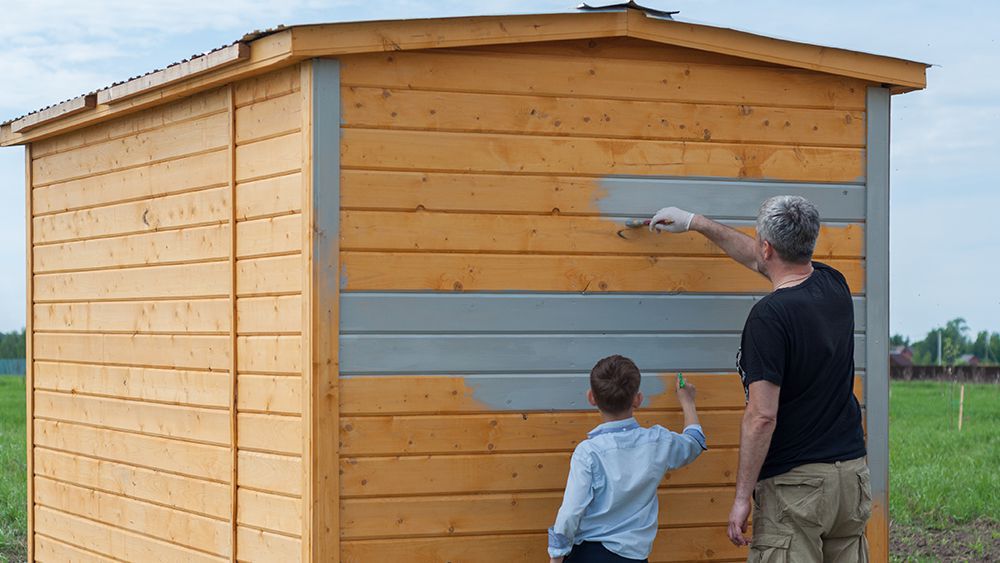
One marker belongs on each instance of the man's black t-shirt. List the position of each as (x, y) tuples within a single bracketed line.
[(802, 339)]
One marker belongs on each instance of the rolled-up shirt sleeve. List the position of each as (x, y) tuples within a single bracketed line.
[(579, 493)]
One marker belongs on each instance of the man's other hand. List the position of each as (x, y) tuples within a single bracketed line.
[(738, 517)]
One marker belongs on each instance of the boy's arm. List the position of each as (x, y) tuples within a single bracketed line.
[(684, 448), (579, 493)]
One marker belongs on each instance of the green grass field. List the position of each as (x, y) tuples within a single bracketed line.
[(13, 489), (944, 497), (945, 484)]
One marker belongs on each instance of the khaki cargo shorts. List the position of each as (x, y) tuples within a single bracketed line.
[(815, 512)]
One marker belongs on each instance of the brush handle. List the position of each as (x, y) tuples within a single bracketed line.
[(636, 223)]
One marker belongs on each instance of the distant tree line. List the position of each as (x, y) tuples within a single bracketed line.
[(12, 344), (955, 343)]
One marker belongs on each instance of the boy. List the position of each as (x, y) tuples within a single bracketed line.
[(609, 511)]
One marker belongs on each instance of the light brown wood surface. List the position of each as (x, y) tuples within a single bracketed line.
[(182, 493), (197, 532), (687, 544), (611, 79), (194, 388), (400, 108), (173, 316), (516, 154), (210, 426), (170, 177), (506, 432), (251, 542), (269, 197), (457, 515), (183, 458), (270, 512), (462, 473), (120, 543), (544, 234)]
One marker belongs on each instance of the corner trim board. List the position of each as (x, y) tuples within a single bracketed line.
[(322, 525), (877, 293)]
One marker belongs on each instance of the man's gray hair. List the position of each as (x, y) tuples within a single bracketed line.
[(791, 224)]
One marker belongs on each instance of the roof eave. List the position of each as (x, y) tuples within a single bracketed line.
[(267, 53), (296, 43)]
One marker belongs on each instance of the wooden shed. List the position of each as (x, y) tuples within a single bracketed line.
[(332, 292)]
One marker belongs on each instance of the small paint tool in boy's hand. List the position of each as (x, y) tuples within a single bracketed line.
[(680, 380)]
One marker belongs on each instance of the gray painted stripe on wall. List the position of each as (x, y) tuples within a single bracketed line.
[(877, 287), (443, 354), (426, 313), (724, 199)]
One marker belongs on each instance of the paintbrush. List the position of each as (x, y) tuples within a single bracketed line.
[(636, 223)]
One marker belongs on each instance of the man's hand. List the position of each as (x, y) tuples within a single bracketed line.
[(672, 220), (556, 559), (738, 517)]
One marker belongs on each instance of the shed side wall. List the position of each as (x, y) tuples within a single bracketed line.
[(130, 323), (482, 276), (136, 282), (269, 285)]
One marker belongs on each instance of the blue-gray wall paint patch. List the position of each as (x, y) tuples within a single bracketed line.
[(640, 196), (491, 312)]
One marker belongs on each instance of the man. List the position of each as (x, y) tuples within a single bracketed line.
[(802, 445)]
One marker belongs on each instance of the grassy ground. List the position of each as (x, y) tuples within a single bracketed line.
[(13, 490), (944, 498)]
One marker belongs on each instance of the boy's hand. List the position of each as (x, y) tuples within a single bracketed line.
[(687, 393), (556, 559)]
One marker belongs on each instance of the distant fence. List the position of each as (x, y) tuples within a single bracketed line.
[(12, 366), (965, 374)]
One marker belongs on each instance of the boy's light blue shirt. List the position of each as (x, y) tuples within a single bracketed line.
[(611, 490)]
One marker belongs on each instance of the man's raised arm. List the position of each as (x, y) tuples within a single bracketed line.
[(737, 245)]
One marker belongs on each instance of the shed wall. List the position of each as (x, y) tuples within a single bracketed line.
[(136, 281), (269, 270), (481, 275)]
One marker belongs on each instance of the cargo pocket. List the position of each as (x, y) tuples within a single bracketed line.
[(800, 499), (769, 548), (864, 509)]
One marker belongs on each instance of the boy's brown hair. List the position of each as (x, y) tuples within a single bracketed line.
[(614, 382)]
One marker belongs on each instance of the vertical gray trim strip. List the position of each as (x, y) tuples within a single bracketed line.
[(877, 288), (326, 175), (321, 514)]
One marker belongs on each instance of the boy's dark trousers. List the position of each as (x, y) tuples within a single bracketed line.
[(595, 552)]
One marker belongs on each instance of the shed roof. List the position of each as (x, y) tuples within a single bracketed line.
[(260, 52)]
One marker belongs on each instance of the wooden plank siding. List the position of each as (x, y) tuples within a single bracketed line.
[(480, 170), (152, 285), (269, 262), (130, 244)]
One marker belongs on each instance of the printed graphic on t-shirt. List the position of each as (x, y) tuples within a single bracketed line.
[(743, 374)]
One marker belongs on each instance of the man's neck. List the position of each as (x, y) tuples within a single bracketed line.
[(783, 276), (608, 417)]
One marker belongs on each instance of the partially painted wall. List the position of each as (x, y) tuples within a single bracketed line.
[(482, 274)]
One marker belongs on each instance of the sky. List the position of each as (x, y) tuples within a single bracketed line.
[(945, 197)]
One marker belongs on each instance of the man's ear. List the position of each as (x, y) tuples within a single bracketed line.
[(637, 400), (590, 398), (767, 250)]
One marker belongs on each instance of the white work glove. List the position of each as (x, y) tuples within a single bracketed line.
[(672, 220)]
